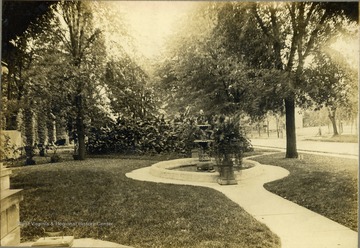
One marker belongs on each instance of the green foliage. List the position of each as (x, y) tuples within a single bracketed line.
[(230, 142), (151, 135), (283, 36), (251, 57), (127, 89), (8, 150), (336, 81)]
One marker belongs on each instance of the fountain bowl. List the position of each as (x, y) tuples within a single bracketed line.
[(186, 170)]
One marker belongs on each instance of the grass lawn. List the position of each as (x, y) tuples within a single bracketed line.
[(344, 138), (64, 156), (95, 199), (326, 185)]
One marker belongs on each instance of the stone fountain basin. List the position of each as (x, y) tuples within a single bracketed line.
[(169, 169)]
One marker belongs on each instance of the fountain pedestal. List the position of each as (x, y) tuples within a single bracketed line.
[(227, 176), (204, 144), (10, 218)]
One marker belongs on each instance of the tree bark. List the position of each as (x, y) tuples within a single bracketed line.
[(332, 113), (51, 127), (42, 128), (291, 150), (80, 128), (29, 134)]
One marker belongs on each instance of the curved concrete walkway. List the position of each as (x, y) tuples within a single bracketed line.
[(296, 226)]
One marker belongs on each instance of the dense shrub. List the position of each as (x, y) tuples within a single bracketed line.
[(150, 135)]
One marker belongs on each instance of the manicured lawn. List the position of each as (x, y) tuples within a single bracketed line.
[(348, 138), (326, 185), (95, 199)]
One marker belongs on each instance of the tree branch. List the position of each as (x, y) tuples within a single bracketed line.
[(294, 38), (276, 39), (308, 16), (301, 31), (63, 38), (314, 33), (261, 23)]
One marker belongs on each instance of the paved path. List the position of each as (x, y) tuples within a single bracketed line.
[(345, 149), (296, 226)]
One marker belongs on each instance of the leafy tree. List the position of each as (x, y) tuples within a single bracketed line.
[(20, 20), (184, 72), (62, 72), (251, 56), (82, 56), (279, 37), (26, 88), (336, 82), (127, 89)]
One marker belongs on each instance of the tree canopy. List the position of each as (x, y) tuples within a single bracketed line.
[(253, 56), (67, 61), (62, 73)]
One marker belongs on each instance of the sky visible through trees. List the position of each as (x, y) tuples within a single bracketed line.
[(152, 22)]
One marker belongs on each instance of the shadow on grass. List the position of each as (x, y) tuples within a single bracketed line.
[(94, 198), (326, 185)]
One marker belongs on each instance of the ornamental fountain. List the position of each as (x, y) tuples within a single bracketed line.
[(204, 148), (207, 166)]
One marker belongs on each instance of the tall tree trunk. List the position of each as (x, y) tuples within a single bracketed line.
[(80, 127), (29, 134), (51, 127), (332, 113), (42, 129), (42, 133), (291, 151)]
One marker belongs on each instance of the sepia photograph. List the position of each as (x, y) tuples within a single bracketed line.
[(179, 124)]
